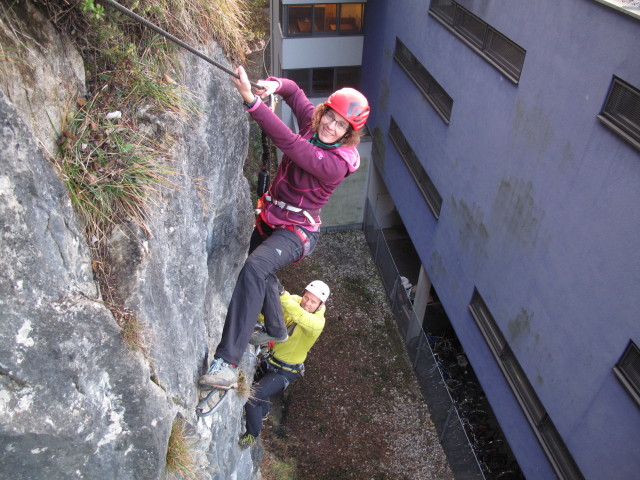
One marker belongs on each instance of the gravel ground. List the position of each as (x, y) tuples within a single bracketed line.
[(358, 412)]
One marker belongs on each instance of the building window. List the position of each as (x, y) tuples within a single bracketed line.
[(434, 93), (628, 371), (426, 186), (323, 81), (323, 19), (498, 50), (621, 111), (546, 432)]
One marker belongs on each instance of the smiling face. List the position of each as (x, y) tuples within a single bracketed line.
[(332, 127), (310, 302)]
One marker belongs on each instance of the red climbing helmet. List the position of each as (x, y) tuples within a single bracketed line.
[(351, 104)]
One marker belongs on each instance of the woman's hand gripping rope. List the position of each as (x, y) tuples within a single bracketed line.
[(264, 88)]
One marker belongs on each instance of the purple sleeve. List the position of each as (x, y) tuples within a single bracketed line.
[(326, 165), (293, 95)]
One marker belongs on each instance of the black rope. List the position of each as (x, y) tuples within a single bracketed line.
[(264, 179), (264, 174), (158, 30)]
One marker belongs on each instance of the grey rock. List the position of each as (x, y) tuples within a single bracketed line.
[(34, 54), (75, 402), (72, 398)]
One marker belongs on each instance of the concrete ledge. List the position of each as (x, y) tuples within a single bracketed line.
[(630, 7)]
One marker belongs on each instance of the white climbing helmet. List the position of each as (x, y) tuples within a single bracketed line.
[(319, 289)]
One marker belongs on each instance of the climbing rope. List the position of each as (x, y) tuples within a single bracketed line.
[(264, 173), (175, 40), (264, 176)]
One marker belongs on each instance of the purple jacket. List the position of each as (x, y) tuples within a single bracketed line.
[(307, 174)]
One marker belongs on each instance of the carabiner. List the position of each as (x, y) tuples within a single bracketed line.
[(272, 102)]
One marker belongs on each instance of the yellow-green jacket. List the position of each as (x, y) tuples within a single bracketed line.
[(307, 329)]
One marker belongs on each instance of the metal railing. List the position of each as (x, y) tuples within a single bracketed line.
[(444, 414)]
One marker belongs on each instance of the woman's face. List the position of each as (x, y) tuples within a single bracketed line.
[(332, 127)]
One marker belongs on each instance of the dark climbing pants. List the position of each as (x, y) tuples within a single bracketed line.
[(274, 381), (257, 291)]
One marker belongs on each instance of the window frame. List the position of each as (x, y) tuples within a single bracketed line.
[(412, 162), (435, 94), (629, 379), (550, 439), (307, 87), (512, 70), (614, 119), (284, 16)]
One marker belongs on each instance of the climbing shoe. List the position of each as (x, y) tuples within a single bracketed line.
[(221, 374), (247, 440), (259, 337)]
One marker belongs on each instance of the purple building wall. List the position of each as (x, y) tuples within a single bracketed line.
[(540, 208)]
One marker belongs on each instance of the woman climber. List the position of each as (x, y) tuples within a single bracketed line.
[(314, 163)]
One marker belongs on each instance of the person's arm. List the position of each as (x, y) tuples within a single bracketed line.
[(295, 97), (243, 86), (290, 92), (332, 168), (300, 151), (311, 323)]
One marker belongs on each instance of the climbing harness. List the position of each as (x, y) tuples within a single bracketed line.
[(299, 231), (175, 40), (289, 367), (291, 208), (306, 244), (265, 358)]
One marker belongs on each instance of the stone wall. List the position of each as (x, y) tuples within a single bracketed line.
[(75, 402)]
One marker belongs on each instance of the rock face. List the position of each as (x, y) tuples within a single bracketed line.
[(27, 39), (75, 402)]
